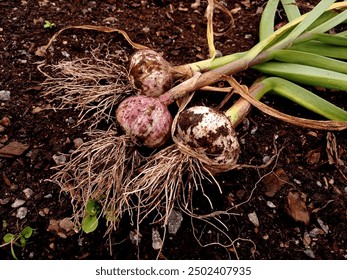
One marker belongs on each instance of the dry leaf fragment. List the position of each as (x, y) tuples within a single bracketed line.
[(274, 181), (333, 155), (297, 207), (313, 156)]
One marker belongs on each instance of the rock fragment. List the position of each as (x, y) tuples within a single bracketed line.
[(17, 203), (5, 95), (254, 219), (22, 212), (174, 221), (157, 242)]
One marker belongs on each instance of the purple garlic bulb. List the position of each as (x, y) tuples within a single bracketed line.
[(145, 119)]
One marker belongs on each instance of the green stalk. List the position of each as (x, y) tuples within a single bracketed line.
[(291, 9), (267, 21), (323, 49), (331, 23), (252, 57), (300, 24), (310, 18), (336, 40), (324, 27), (334, 48), (266, 30), (307, 75), (289, 91), (310, 59)]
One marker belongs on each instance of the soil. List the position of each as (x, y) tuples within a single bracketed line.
[(300, 199)]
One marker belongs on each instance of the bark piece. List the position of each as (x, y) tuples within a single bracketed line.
[(297, 207), (13, 149), (274, 181)]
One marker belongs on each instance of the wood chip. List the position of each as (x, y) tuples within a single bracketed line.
[(274, 181), (313, 156), (13, 149), (297, 207)]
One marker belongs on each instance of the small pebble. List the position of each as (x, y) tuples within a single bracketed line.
[(135, 237), (28, 193), (310, 253), (270, 204), (59, 159), (297, 181), (5, 95), (66, 54), (77, 142), (254, 129), (174, 221), (324, 226), (266, 159), (70, 120), (254, 219), (157, 242), (22, 212), (315, 232), (145, 29), (266, 236), (5, 121), (66, 224), (17, 203)]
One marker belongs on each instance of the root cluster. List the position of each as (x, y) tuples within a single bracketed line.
[(110, 167), (92, 86), (97, 170)]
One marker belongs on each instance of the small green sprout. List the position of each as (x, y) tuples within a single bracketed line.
[(12, 239), (48, 24), (91, 220)]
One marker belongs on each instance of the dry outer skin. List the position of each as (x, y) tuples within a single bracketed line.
[(209, 133), (150, 73)]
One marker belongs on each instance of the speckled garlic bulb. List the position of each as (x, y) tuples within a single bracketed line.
[(150, 73), (145, 119), (209, 134)]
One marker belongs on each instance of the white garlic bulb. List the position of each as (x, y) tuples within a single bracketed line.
[(209, 134), (150, 73)]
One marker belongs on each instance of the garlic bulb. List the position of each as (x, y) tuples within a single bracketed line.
[(210, 135), (150, 73), (145, 119)]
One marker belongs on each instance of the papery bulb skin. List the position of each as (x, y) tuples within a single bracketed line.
[(145, 119), (150, 73), (209, 133)]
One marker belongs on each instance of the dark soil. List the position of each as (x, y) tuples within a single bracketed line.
[(178, 31)]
